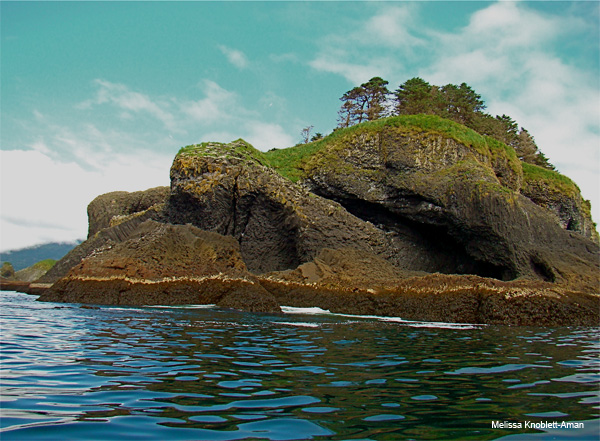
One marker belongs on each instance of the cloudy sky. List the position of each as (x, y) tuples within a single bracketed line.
[(98, 97)]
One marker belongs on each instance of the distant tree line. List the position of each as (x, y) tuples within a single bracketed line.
[(373, 100)]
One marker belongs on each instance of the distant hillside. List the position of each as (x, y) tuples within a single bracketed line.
[(26, 257)]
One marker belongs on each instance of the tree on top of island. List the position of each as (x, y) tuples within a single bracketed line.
[(373, 100)]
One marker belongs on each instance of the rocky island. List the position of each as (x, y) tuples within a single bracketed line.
[(411, 216)]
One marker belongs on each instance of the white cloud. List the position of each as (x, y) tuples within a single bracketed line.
[(234, 56), (218, 104), (365, 52), (393, 27), (129, 102), (45, 200), (212, 117), (225, 118), (265, 136), (356, 73)]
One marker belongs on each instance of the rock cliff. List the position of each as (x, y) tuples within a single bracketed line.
[(460, 191), (366, 220)]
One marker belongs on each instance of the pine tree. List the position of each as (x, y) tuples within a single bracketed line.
[(352, 110), (526, 148), (458, 103), (413, 97), (366, 102), (376, 93)]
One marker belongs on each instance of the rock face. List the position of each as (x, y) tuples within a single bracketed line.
[(279, 225), (560, 197), (463, 200), (164, 264), (111, 208), (420, 218), (103, 238)]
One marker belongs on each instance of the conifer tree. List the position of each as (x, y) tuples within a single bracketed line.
[(459, 103), (526, 147), (376, 93), (414, 96), (366, 102), (353, 104)]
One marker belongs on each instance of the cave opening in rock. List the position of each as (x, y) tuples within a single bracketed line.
[(442, 251), (542, 269)]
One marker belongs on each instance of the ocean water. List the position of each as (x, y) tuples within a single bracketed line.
[(77, 372)]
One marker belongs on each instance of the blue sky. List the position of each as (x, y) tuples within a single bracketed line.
[(99, 96)]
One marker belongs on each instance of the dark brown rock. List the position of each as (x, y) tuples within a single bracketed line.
[(393, 207), (460, 204), (164, 264), (278, 224), (110, 208), (450, 299)]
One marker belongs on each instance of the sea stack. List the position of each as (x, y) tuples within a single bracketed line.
[(414, 217)]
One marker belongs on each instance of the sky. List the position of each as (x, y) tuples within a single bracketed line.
[(99, 96)]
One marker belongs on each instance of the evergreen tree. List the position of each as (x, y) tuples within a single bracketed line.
[(507, 131), (462, 104), (526, 148), (366, 102), (458, 103), (542, 161), (376, 93), (413, 97), (353, 104)]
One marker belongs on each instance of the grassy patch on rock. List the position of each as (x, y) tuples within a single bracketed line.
[(552, 181), (293, 162), (238, 149), (45, 264)]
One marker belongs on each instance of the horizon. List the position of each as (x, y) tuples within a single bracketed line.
[(99, 97)]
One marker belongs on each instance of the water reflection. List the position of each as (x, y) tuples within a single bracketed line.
[(158, 373)]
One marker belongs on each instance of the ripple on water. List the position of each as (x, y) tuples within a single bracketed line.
[(424, 397), (384, 417), (197, 373)]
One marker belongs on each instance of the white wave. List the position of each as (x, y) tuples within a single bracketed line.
[(115, 308), (301, 324), (209, 306), (295, 310), (399, 320)]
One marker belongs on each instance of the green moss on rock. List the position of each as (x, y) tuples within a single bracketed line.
[(238, 149), (553, 181), (297, 162)]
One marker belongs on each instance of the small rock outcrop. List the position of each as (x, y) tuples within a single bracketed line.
[(7, 271), (35, 271), (164, 264), (111, 208)]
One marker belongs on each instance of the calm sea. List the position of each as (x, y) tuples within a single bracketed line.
[(74, 372)]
